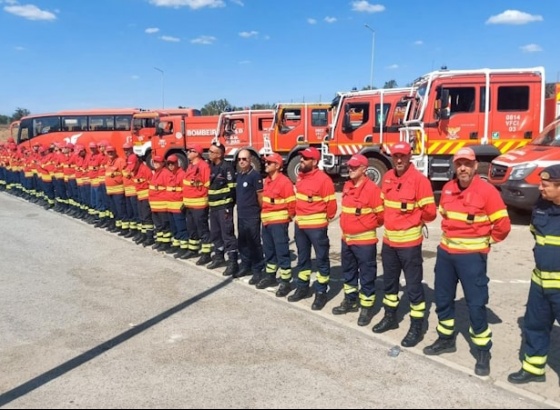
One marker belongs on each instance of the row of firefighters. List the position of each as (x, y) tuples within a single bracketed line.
[(190, 213)]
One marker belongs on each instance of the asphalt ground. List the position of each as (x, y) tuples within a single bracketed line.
[(90, 320)]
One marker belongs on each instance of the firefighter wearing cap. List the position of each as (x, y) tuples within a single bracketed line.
[(46, 172), (103, 199), (221, 200), (278, 210), (157, 196), (473, 217), (82, 180), (315, 207), (543, 304), (60, 195), (130, 212), (115, 187), (2, 167), (195, 199), (409, 204), (175, 207), (362, 214), (141, 176), (94, 162)]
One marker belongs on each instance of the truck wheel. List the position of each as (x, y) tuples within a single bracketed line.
[(375, 170), (293, 168)]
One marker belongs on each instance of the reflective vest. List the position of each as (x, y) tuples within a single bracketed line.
[(278, 200), (545, 227), (315, 200), (196, 184)]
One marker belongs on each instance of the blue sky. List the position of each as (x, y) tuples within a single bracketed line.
[(61, 54)]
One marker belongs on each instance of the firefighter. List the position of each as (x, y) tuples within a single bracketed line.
[(315, 208), (195, 199), (95, 159), (248, 194), (158, 203), (278, 209), (141, 176), (474, 216), (362, 214), (543, 304), (221, 199), (409, 203), (175, 207), (130, 206), (115, 187)]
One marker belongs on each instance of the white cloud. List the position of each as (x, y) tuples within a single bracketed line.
[(170, 39), (531, 48), (193, 4), (29, 12), (19, 48), (205, 40), (238, 2), (514, 17), (248, 34), (311, 21), (151, 30), (393, 66), (418, 43), (364, 6), (134, 77), (330, 19)]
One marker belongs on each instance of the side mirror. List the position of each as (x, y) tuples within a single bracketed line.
[(346, 124), (444, 105)]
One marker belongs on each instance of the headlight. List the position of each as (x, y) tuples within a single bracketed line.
[(520, 172)]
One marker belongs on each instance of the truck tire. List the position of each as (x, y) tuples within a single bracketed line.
[(376, 170), (293, 168)]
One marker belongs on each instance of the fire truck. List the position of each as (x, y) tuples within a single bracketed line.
[(493, 111), (517, 173)]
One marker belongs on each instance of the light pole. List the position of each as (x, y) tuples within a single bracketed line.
[(372, 54), (162, 86)]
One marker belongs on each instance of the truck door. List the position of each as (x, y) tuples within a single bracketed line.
[(515, 118), (464, 117)]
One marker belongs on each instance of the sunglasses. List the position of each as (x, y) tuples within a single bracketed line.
[(242, 159), (267, 163)]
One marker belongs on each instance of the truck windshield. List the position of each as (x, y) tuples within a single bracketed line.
[(550, 136)]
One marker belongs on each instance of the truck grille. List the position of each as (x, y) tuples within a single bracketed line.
[(498, 171)]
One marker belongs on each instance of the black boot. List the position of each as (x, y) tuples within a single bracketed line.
[(415, 333), (389, 322), (268, 280), (189, 254), (522, 377), (284, 289), (204, 259), (366, 314), (440, 346), (482, 367), (232, 268), (301, 292), (256, 278), (346, 306), (320, 301), (217, 261), (180, 253), (140, 239), (149, 241), (242, 271)]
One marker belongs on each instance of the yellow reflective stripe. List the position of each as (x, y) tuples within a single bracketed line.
[(468, 244), (278, 201), (274, 216), (404, 236), (481, 339), (398, 205), (306, 198), (322, 279), (546, 280), (391, 300), (157, 188), (537, 371), (313, 218), (174, 189), (463, 217), (363, 211), (547, 240), (304, 275), (196, 184), (226, 190), (330, 198), (366, 236), (221, 202), (195, 201), (536, 360), (174, 205), (426, 201), (158, 205), (498, 215)]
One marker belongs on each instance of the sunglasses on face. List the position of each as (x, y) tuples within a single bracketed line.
[(242, 159)]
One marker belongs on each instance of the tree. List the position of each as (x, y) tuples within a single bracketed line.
[(390, 84), (216, 107), (266, 106), (19, 113), (4, 119), (367, 87)]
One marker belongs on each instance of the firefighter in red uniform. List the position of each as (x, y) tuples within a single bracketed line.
[(474, 216), (362, 214), (115, 187), (141, 176), (409, 203), (278, 209), (315, 207), (158, 203), (195, 199), (175, 207)]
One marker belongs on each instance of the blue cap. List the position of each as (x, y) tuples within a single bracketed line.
[(551, 173)]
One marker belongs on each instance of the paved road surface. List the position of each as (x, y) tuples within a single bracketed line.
[(90, 320)]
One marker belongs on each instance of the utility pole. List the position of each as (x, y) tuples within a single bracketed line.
[(372, 54), (162, 86)]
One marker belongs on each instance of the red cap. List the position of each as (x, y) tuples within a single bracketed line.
[(69, 145), (465, 153), (92, 145), (103, 143), (127, 145), (357, 160), (110, 148), (173, 158), (311, 153), (274, 157), (132, 159), (402, 148), (157, 158), (195, 147)]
